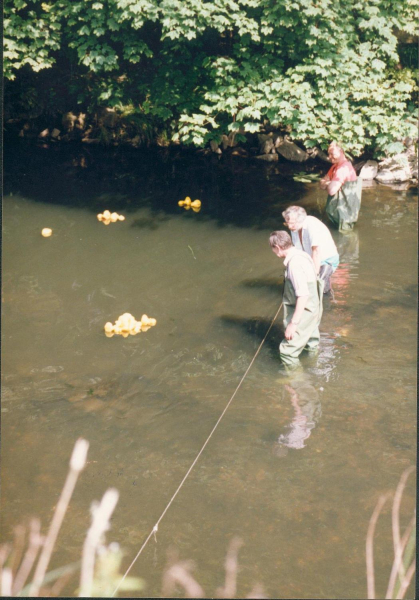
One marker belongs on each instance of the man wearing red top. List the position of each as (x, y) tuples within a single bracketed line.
[(343, 188)]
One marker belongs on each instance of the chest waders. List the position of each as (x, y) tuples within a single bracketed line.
[(307, 334), (343, 208)]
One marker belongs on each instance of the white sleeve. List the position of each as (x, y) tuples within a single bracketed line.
[(315, 233)]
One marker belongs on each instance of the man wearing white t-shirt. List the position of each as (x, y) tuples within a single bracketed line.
[(312, 236)]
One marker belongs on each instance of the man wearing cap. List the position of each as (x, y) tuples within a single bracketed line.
[(312, 236), (302, 299)]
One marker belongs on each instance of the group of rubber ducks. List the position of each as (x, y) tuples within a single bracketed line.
[(107, 217), (127, 325), (187, 204)]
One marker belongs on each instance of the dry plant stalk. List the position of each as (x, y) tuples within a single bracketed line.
[(77, 463), (6, 582), (398, 569), (370, 546), (231, 568), (179, 573), (34, 543), (18, 546), (257, 593), (100, 524)]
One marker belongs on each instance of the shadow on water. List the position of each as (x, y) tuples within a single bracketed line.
[(257, 328), (232, 190), (404, 297)]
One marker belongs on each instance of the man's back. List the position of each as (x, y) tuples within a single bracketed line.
[(314, 233)]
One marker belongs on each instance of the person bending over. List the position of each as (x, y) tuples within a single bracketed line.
[(312, 236), (302, 299)]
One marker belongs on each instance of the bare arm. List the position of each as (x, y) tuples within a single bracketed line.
[(298, 313), (315, 255), (324, 182), (333, 187)]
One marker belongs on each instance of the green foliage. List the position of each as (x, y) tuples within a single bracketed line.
[(306, 177), (108, 576), (197, 69)]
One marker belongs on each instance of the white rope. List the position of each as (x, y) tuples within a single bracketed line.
[(156, 526)]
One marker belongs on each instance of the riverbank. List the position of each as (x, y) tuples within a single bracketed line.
[(276, 155)]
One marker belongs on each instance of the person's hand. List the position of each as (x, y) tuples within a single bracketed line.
[(324, 183), (290, 331)]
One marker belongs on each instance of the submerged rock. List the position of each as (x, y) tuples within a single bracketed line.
[(268, 157)]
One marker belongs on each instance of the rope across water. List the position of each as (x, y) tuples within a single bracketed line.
[(156, 526)]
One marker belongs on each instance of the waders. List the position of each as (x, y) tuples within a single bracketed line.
[(307, 335), (343, 208)]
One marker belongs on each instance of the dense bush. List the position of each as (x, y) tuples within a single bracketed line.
[(319, 68)]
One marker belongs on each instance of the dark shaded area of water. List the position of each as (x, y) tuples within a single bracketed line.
[(298, 463), (237, 191)]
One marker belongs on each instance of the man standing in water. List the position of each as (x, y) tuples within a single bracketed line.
[(312, 236), (302, 299), (344, 190)]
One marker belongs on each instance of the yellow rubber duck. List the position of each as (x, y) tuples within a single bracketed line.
[(107, 217), (187, 204), (126, 325)]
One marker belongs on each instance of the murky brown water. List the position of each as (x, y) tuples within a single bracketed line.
[(147, 403)]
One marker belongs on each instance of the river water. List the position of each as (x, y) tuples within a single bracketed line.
[(298, 462)]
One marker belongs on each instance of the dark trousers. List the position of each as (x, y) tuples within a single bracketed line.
[(326, 272)]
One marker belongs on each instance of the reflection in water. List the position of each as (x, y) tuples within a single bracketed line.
[(307, 411), (348, 248)]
